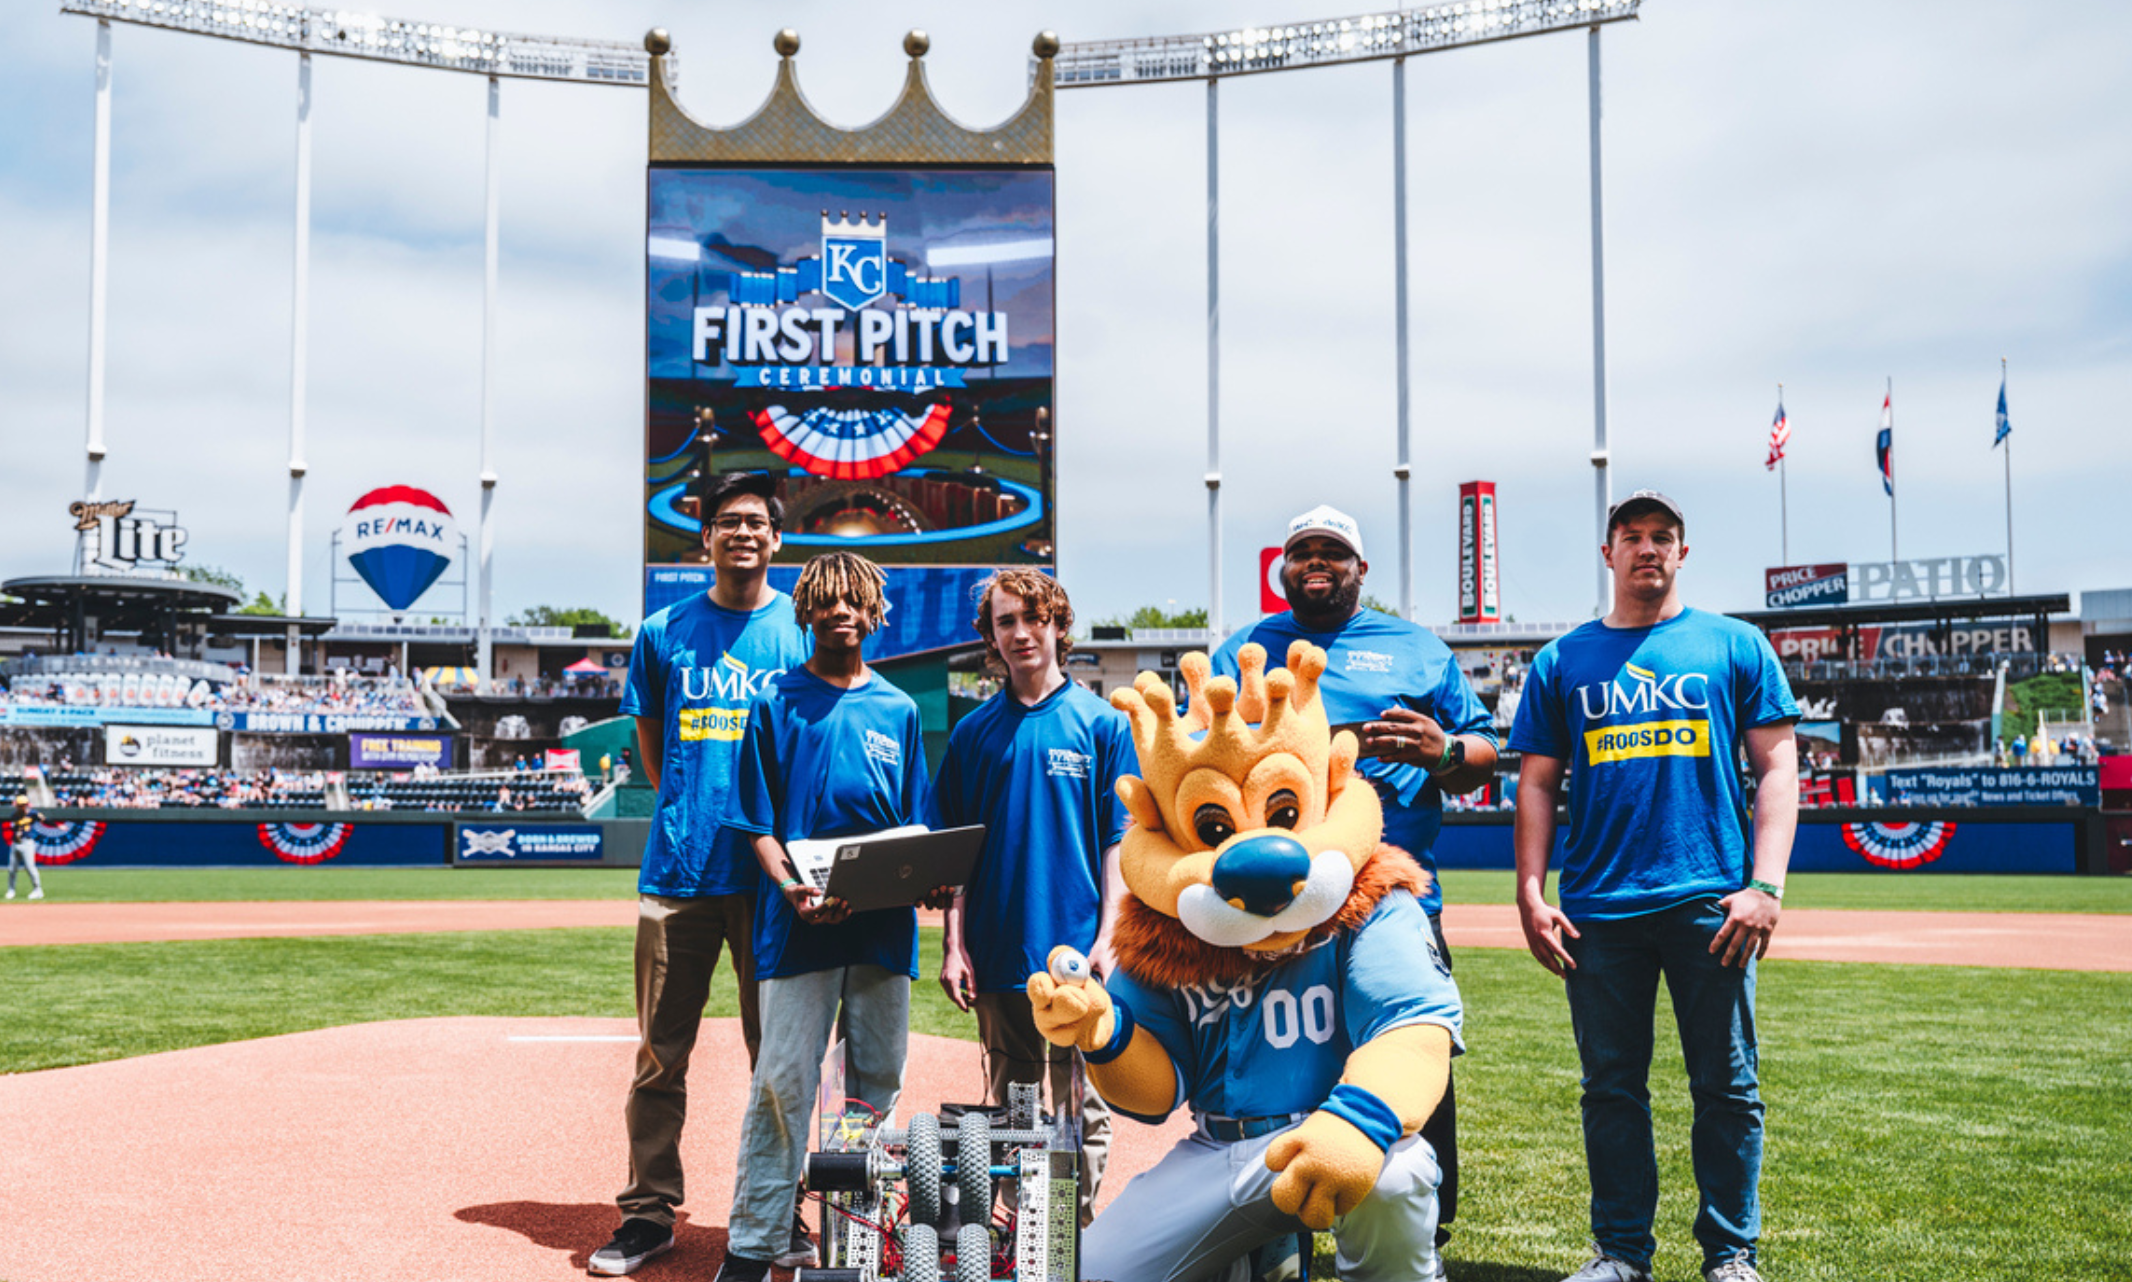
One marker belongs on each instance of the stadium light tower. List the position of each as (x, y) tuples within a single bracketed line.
[(1392, 34), (344, 33)]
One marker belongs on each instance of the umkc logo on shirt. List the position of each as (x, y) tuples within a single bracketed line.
[(1648, 696), (730, 681)]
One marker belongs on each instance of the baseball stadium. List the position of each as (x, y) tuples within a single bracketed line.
[(386, 936)]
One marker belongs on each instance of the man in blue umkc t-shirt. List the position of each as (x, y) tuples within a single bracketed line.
[(1424, 732), (696, 668), (831, 750), (1038, 765), (1647, 709)]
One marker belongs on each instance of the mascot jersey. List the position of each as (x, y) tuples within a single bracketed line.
[(1043, 781), (823, 761), (1278, 1043), (1648, 721), (1373, 662), (694, 670)]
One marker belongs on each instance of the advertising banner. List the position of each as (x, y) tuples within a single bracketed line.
[(151, 841), (1938, 846), (1789, 586), (1480, 598), (879, 340), (1272, 597), (320, 722), (161, 746), (1991, 786), (35, 716), (930, 608), (1905, 641), (369, 751), (529, 843)]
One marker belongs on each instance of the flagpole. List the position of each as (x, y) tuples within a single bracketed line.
[(1894, 544), (2008, 443), (1783, 496)]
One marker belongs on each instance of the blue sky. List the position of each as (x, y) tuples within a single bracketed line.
[(1820, 194)]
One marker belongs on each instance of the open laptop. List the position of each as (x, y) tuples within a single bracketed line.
[(892, 869)]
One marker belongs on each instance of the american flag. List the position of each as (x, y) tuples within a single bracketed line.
[(1779, 437)]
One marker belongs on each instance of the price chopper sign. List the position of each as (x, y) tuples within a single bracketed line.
[(115, 540), (1925, 579)]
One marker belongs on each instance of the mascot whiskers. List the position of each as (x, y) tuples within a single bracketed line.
[(1276, 974)]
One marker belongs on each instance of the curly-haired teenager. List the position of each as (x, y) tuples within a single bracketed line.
[(1038, 765), (831, 750)]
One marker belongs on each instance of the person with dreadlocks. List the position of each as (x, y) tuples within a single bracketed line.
[(830, 750)]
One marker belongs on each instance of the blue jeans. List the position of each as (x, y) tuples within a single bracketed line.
[(1613, 996)]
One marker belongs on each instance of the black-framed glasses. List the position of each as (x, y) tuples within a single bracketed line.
[(731, 524)]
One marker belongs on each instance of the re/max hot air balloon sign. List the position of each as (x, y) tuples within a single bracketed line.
[(400, 539)]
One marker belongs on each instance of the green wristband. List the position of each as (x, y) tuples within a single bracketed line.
[(788, 883), (1768, 888)]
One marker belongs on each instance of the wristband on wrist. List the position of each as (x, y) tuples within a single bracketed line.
[(788, 883), (1366, 1112), (1769, 888), (1445, 759), (1121, 1035)]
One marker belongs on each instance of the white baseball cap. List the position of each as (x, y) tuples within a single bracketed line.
[(1330, 522)]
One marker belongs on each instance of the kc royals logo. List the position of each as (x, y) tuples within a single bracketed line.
[(1899, 845), (304, 843), (854, 260), (489, 841)]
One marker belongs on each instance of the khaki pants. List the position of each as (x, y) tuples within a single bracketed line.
[(1016, 1052), (678, 941)]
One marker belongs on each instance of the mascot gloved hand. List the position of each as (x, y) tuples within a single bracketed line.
[(1275, 972)]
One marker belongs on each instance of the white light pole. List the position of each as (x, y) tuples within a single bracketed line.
[(1601, 483), (1402, 470), (299, 355), (1213, 477), (1390, 34), (99, 265), (482, 634)]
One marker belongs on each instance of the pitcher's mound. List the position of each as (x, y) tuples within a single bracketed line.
[(462, 1149)]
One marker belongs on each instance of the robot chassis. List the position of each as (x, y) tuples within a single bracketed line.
[(947, 1170)]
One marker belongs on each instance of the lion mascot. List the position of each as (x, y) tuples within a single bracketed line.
[(1275, 973)]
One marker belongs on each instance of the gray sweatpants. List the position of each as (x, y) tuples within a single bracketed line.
[(23, 854)]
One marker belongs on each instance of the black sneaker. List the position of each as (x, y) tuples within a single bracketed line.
[(635, 1242), (799, 1253), (739, 1268)]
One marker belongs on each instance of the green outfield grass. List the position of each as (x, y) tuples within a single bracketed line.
[(1889, 891), (1925, 1122), (1892, 892), (197, 885)]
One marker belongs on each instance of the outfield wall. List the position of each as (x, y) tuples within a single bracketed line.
[(332, 838), (1997, 839)]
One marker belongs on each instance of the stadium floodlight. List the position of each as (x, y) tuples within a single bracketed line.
[(350, 34), (1392, 33), (1004, 251)]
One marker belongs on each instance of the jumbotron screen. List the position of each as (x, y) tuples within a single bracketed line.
[(878, 339)]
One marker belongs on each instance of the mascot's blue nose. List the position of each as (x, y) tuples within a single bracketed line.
[(1262, 872)]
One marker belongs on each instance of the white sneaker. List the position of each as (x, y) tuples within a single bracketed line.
[(1605, 1268), (37, 893), (1736, 1269), (10, 892)]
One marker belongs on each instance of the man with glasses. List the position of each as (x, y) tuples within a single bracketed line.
[(695, 670), (1423, 731)]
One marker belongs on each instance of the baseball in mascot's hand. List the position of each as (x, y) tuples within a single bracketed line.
[(1068, 1009)]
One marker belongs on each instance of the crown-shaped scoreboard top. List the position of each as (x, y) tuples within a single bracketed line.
[(786, 129), (842, 225)]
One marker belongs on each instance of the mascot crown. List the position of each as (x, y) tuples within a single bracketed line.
[(1243, 722)]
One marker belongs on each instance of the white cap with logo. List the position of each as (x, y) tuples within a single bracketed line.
[(1330, 522)]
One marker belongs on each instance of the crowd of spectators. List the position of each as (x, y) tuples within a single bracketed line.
[(340, 693), (134, 788), (422, 789)]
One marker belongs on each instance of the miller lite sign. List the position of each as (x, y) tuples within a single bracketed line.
[(1480, 597), (115, 539)]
